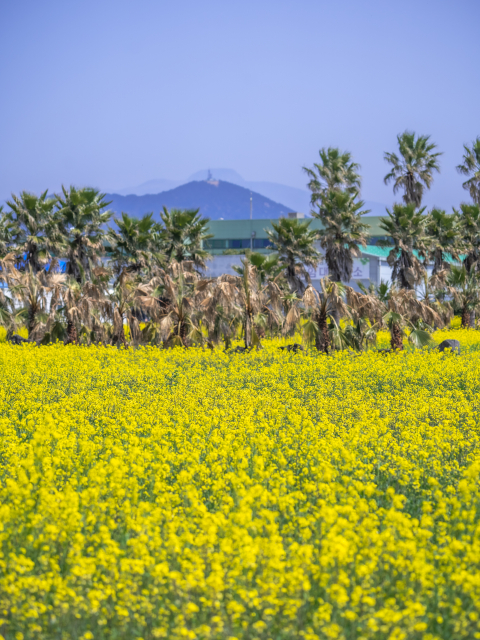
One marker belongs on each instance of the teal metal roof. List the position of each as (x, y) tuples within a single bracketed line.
[(374, 250), (382, 253)]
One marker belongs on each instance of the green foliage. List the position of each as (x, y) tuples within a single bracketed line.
[(335, 171), (33, 229), (413, 170), (406, 225), (135, 243), (443, 233), (469, 222), (343, 231), (183, 234), (81, 220), (293, 240), (471, 167)]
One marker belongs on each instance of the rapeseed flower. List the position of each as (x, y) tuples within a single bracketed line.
[(271, 495)]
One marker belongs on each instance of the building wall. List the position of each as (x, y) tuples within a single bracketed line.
[(220, 264), (230, 234)]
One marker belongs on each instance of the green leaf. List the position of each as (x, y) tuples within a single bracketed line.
[(420, 338)]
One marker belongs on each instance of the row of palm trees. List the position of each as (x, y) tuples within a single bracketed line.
[(141, 281), (413, 237)]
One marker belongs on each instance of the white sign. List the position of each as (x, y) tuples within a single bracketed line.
[(360, 271)]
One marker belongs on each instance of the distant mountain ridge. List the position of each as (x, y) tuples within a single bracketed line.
[(294, 199), (215, 198)]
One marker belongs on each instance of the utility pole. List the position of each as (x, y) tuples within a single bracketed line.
[(251, 231)]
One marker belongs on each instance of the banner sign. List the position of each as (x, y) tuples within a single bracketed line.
[(361, 270)]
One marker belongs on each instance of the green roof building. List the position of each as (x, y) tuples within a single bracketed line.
[(238, 235), (232, 237)]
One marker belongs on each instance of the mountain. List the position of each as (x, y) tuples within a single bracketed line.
[(215, 199), (295, 199), (152, 186)]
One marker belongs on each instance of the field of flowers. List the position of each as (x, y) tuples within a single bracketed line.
[(270, 495)]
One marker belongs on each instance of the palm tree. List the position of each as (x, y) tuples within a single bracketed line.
[(81, 220), (76, 308), (222, 312), (413, 170), (183, 236), (173, 304), (128, 298), (433, 294), (399, 310), (9, 315), (335, 171), (267, 266), (464, 287), (294, 243), (471, 167), (35, 229), (272, 288), (443, 237), (94, 307), (469, 224), (7, 233), (324, 307), (133, 245), (406, 226), (33, 291), (469, 216), (342, 232)]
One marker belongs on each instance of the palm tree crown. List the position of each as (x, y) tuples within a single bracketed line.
[(7, 233), (81, 220), (34, 228), (342, 232), (469, 223), (444, 235), (294, 242), (413, 170), (464, 287), (267, 266), (183, 235), (133, 244), (471, 167), (406, 226), (336, 171)]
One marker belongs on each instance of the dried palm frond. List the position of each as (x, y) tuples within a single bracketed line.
[(291, 320)]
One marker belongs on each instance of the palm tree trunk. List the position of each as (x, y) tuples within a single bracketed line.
[(322, 339), (248, 324), (472, 319), (120, 338), (396, 337), (438, 261), (260, 331), (31, 321), (336, 316), (465, 318), (72, 336), (95, 330), (183, 333)]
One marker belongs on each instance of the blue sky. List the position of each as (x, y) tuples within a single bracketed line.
[(114, 93)]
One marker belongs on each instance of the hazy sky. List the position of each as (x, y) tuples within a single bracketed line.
[(112, 93)]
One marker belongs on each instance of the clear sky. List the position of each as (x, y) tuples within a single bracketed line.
[(111, 93)]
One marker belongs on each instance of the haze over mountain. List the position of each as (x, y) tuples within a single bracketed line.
[(293, 199), (215, 199)]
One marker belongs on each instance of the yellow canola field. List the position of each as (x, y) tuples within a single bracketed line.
[(195, 494)]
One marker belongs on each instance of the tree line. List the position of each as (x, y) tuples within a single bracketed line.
[(142, 281)]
